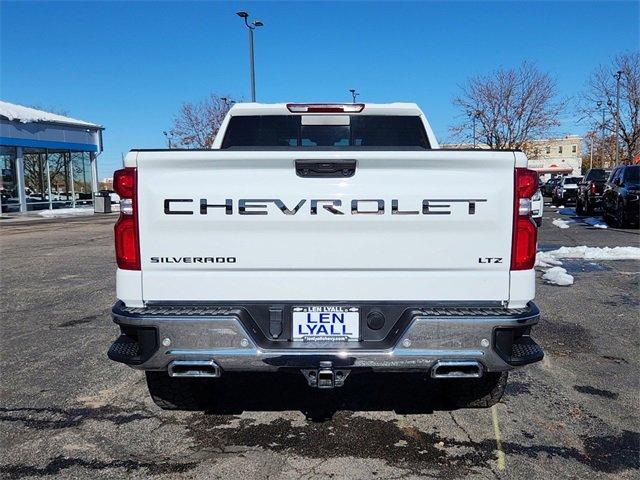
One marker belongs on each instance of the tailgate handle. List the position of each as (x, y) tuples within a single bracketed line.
[(324, 169)]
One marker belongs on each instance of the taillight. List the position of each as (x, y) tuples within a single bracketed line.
[(593, 188), (325, 107), (525, 232), (126, 228)]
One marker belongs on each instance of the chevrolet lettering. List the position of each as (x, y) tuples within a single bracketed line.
[(434, 206)]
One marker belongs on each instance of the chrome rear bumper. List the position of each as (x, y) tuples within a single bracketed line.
[(152, 339)]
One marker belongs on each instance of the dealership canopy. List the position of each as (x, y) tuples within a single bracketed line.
[(48, 160)]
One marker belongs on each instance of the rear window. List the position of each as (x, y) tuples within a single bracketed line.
[(571, 180), (597, 175), (632, 174), (287, 131)]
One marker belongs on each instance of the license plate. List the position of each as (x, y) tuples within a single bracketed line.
[(322, 323)]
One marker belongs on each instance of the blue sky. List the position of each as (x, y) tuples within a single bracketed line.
[(129, 65)]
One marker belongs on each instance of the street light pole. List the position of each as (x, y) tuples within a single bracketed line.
[(251, 27), (354, 94), (252, 70), (618, 75)]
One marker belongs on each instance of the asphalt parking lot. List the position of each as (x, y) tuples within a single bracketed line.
[(66, 411)]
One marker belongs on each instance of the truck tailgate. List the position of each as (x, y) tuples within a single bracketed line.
[(427, 226)]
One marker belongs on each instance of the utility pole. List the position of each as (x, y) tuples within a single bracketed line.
[(474, 116), (591, 136), (354, 94), (251, 27), (168, 139), (600, 105), (618, 76)]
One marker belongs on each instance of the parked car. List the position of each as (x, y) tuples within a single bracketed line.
[(565, 191), (590, 188), (549, 185), (620, 196), (327, 240), (537, 207)]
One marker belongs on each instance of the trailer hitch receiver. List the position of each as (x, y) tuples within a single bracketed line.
[(325, 376)]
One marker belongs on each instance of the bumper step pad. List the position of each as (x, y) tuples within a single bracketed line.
[(526, 350), (124, 349)]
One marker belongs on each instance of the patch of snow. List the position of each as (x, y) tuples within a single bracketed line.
[(595, 222), (596, 253), (66, 212), (558, 276), (26, 115), (555, 274), (545, 260), (558, 222)]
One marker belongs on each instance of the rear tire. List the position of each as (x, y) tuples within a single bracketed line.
[(621, 216), (579, 207), (589, 208), (481, 392), (171, 393)]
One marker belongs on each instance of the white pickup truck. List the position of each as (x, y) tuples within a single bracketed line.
[(326, 239)]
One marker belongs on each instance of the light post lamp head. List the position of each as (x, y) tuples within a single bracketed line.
[(257, 23), (242, 14)]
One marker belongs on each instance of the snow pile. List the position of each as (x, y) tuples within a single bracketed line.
[(26, 115), (551, 264), (558, 276), (594, 222), (597, 253), (66, 212), (546, 260), (558, 222)]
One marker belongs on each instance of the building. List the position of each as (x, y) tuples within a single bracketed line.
[(556, 156), (48, 161), (106, 183), (548, 156)]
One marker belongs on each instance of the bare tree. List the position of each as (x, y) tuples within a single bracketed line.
[(509, 107), (196, 124), (601, 93)]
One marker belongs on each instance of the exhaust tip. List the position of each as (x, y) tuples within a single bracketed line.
[(457, 369), (194, 368)]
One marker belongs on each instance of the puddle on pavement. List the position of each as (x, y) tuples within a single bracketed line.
[(574, 265)]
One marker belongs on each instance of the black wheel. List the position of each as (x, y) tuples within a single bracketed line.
[(621, 216), (589, 208), (579, 207), (481, 392), (171, 393)]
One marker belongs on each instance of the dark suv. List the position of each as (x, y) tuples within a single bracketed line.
[(620, 197), (590, 190)]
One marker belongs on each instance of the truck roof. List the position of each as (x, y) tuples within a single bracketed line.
[(239, 109)]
